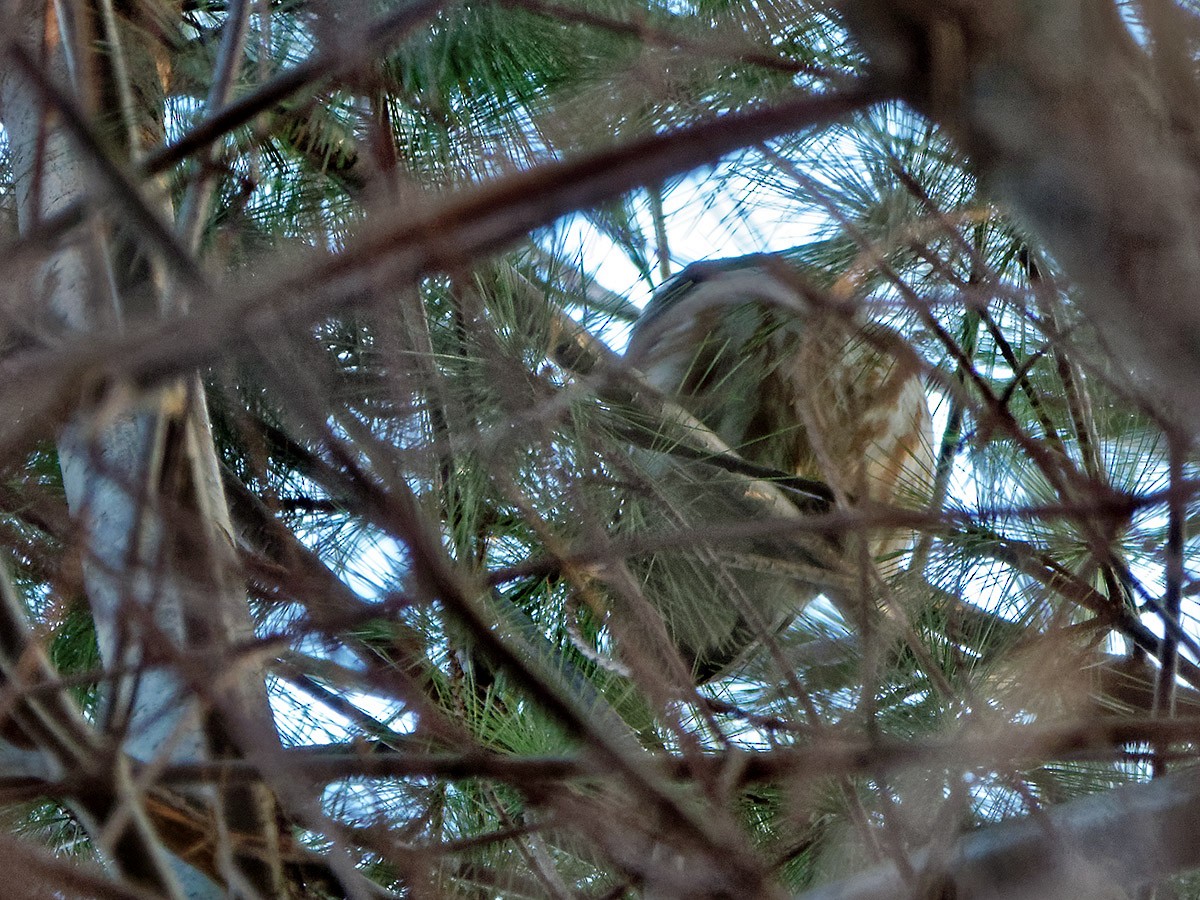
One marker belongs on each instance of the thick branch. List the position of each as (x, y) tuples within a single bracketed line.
[(1120, 840), (1092, 141)]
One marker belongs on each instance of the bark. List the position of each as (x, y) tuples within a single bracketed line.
[(1109, 845), (139, 468)]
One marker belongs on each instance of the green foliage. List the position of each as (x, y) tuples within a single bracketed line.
[(560, 531)]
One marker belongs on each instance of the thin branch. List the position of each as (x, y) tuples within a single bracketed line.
[(358, 46), (465, 226), (1164, 688), (1018, 745)]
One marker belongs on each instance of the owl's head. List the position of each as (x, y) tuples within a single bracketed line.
[(713, 306)]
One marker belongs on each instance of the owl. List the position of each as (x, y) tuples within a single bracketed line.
[(790, 387)]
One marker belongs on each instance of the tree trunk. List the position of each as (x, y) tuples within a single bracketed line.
[(140, 470)]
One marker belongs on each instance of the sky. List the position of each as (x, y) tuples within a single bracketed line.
[(701, 223)]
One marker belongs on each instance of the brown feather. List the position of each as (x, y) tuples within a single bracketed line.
[(804, 391)]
